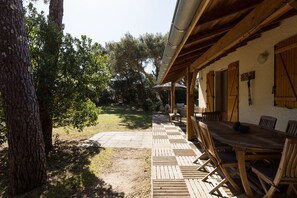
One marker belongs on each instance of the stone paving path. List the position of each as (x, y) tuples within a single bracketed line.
[(124, 139)]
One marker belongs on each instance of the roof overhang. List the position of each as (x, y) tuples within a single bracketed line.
[(203, 31)]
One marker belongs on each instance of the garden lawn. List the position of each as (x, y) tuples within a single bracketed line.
[(110, 118)]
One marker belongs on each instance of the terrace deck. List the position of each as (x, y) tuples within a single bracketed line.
[(173, 172)]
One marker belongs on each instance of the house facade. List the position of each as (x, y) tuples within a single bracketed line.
[(248, 59)]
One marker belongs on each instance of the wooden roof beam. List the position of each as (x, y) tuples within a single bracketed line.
[(197, 47), (189, 58), (294, 5), (175, 76), (237, 8), (183, 64), (180, 67), (216, 32), (263, 14)]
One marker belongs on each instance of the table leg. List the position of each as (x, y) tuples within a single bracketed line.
[(240, 155)]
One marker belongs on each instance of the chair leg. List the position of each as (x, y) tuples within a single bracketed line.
[(209, 174), (203, 156), (203, 165), (270, 192), (263, 184), (229, 178), (290, 189), (196, 160), (294, 189), (218, 186)]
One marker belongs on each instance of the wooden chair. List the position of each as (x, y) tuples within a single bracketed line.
[(220, 146), (284, 173), (223, 160), (210, 116), (292, 128), (198, 136), (267, 122)]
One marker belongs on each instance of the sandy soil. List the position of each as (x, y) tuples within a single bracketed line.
[(130, 172)]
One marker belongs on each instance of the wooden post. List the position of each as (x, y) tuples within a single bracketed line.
[(172, 97), (190, 104)]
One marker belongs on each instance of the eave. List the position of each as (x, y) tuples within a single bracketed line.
[(220, 27)]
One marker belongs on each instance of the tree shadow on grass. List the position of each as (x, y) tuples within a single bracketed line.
[(140, 121), (131, 117), (69, 174)]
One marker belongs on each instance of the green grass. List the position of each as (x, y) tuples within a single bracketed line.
[(111, 118)]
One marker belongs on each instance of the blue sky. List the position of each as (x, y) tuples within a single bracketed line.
[(109, 20)]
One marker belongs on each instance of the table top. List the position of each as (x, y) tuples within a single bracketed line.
[(256, 138)]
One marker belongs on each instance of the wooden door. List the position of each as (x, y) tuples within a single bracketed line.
[(210, 91), (233, 84)]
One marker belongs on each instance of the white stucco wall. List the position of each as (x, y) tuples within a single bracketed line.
[(261, 87)]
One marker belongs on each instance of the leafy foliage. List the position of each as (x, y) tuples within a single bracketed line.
[(81, 73), (128, 59), (154, 46)]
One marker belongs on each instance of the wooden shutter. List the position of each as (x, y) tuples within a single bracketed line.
[(210, 91), (232, 105), (285, 73)]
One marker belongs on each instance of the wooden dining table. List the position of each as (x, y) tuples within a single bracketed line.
[(257, 143)]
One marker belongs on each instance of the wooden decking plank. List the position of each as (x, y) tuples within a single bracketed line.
[(162, 173), (170, 188), (153, 172), (176, 137), (173, 133), (170, 172), (167, 172), (162, 152), (158, 175), (184, 152), (178, 141), (203, 188), (160, 137), (164, 160), (191, 190), (195, 190), (173, 172)]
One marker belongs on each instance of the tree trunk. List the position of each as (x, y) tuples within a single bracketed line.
[(48, 71), (26, 156)]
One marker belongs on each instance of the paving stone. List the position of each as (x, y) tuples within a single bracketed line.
[(124, 139)]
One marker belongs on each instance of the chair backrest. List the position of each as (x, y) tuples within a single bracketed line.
[(196, 128), (287, 169), (210, 116), (292, 128), (208, 141), (267, 122)]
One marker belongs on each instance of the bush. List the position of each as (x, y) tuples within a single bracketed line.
[(157, 105), (147, 105), (106, 97)]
